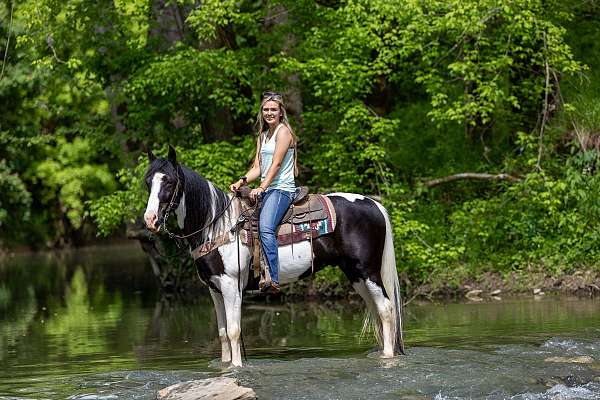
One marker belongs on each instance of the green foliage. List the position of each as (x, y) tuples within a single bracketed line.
[(417, 255), (219, 162), (536, 221), (215, 16), (123, 205), (383, 95), (70, 177), (175, 95), (359, 142), (15, 202)]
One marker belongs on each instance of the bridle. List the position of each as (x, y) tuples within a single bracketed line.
[(170, 208)]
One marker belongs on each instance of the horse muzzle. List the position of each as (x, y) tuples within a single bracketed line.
[(152, 223)]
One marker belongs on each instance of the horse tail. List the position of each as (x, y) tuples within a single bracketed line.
[(389, 278)]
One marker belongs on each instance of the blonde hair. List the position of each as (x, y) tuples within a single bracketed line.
[(283, 119)]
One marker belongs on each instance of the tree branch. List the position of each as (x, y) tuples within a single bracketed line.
[(12, 7), (471, 175), (50, 43), (545, 109)]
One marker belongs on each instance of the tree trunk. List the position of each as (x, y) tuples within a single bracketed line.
[(293, 95), (168, 25)]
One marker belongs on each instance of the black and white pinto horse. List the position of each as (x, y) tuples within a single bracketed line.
[(361, 245)]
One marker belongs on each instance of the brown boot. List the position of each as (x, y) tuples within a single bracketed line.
[(273, 288), (265, 283)]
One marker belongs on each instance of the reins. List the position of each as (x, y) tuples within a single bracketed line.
[(169, 208)]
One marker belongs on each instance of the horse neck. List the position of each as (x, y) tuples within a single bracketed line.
[(203, 204)]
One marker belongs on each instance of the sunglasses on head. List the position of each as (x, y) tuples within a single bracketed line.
[(272, 95)]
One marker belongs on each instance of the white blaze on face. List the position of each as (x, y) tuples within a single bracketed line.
[(152, 208)]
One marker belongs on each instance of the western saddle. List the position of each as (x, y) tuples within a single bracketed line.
[(309, 216)]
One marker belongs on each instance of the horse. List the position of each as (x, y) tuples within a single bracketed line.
[(361, 245)]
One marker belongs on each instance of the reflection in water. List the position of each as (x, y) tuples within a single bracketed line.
[(12, 327), (80, 325), (93, 322)]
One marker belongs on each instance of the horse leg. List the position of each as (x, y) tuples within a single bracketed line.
[(385, 311), (381, 311), (232, 299), (222, 325)]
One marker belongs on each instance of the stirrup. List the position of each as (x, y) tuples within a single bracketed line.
[(265, 283), (273, 289)]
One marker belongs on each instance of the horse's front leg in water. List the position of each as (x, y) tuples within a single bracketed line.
[(233, 312), (222, 324)]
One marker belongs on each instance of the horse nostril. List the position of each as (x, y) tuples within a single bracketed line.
[(150, 219)]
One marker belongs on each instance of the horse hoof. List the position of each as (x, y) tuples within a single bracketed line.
[(219, 365)]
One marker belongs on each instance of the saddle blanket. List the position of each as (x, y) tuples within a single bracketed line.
[(293, 231)]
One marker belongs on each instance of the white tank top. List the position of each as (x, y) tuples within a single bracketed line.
[(284, 179)]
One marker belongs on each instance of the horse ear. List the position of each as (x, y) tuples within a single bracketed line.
[(151, 156), (172, 155)]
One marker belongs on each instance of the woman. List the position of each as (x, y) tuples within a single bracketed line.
[(275, 164)]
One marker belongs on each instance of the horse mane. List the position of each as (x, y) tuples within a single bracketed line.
[(203, 201)]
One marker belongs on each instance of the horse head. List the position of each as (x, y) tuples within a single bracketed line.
[(165, 182)]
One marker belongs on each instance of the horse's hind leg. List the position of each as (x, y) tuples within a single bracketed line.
[(380, 307), (385, 310), (222, 325)]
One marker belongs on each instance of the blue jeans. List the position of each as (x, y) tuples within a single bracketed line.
[(275, 203)]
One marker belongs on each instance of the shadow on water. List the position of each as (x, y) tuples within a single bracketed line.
[(92, 324)]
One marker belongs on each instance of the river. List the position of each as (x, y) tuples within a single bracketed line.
[(91, 324)]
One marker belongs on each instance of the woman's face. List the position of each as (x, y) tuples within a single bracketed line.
[(271, 112)]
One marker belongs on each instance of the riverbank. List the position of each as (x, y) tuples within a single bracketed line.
[(456, 284), (330, 283), (489, 284)]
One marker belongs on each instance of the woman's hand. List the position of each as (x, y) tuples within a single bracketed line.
[(254, 193), (234, 187)]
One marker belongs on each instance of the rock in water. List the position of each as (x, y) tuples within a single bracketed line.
[(574, 360), (220, 388), (473, 295)]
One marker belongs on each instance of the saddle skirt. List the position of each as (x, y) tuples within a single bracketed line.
[(312, 217)]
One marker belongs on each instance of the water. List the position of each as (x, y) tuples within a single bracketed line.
[(92, 325)]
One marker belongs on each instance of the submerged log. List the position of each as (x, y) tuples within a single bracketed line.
[(220, 388)]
